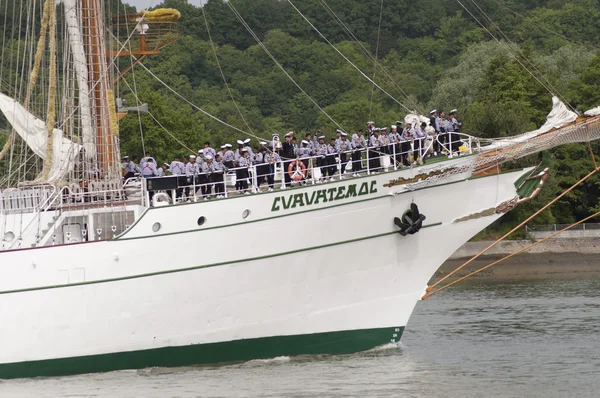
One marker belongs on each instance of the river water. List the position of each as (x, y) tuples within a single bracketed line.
[(535, 338)]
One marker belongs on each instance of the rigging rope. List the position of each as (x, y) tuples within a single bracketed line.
[(212, 45), (351, 35), (429, 288), (156, 120), (346, 58), (33, 77), (548, 86), (482, 13), (376, 55), (501, 4), (266, 50), (197, 107), (134, 82), (192, 104), (427, 295)]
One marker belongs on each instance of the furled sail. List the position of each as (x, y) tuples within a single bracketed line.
[(81, 69), (34, 132), (415, 119), (593, 112), (559, 116)]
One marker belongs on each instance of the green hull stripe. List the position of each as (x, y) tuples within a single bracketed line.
[(173, 271), (333, 343)]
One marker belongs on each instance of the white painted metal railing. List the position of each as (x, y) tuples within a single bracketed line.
[(36, 222), (452, 142), (390, 156), (25, 199)]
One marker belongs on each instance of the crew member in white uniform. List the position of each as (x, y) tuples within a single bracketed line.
[(208, 150), (191, 171), (359, 144), (207, 170), (344, 147), (374, 151), (218, 176)]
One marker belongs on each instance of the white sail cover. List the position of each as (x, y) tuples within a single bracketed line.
[(80, 66), (558, 117), (415, 120), (34, 132), (593, 112)]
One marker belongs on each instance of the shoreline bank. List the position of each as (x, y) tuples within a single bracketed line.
[(552, 258)]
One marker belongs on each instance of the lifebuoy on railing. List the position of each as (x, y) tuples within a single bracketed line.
[(297, 170), (161, 199)]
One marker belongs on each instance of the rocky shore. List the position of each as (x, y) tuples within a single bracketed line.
[(552, 258)]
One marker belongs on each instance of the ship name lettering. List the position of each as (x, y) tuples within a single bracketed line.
[(323, 195)]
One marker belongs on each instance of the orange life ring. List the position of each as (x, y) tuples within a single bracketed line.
[(297, 170)]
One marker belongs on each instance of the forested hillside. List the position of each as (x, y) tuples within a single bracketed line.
[(434, 54)]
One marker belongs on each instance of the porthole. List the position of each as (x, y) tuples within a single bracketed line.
[(156, 227), (201, 220), (245, 213), (9, 236)]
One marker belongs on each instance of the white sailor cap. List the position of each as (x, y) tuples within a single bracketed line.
[(263, 143), (409, 123), (125, 157), (208, 157), (305, 142), (247, 140), (228, 145), (166, 164), (321, 137), (200, 151), (244, 150), (240, 142), (275, 135), (290, 134), (454, 110), (338, 131), (394, 126), (223, 146), (192, 156), (433, 111), (370, 122), (343, 134)]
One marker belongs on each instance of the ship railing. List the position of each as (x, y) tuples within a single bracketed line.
[(15, 242), (27, 199), (160, 191), (455, 143), (102, 192), (67, 199)]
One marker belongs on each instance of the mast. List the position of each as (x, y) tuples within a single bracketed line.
[(99, 85), (67, 115)]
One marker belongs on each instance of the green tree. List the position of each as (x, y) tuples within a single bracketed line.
[(585, 92)]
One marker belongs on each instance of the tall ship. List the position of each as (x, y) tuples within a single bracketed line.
[(101, 273)]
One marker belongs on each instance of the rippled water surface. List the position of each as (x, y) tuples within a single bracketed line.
[(482, 339)]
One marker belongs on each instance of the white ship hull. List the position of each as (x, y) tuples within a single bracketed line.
[(332, 276)]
